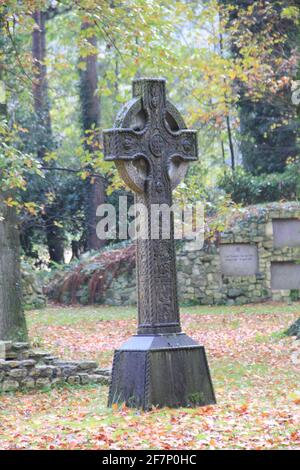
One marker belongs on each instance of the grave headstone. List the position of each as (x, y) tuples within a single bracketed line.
[(159, 366)]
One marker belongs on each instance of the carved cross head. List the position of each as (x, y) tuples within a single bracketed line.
[(149, 143)]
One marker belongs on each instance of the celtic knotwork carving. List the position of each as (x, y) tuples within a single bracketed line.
[(128, 142), (152, 156), (156, 144), (187, 145), (155, 92)]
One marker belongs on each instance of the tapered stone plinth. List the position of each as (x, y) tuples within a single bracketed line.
[(161, 370)]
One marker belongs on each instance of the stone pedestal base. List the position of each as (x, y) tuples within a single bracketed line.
[(161, 370)]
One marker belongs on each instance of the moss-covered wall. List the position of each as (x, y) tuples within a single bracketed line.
[(110, 276), (200, 280)]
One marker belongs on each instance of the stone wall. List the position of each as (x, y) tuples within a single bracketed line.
[(33, 296), (22, 368), (203, 280), (256, 258)]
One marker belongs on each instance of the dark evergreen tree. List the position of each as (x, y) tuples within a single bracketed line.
[(43, 133), (269, 126)]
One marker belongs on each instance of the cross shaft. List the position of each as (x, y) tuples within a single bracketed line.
[(160, 145)]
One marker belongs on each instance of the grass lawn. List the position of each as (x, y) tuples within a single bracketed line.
[(254, 371)]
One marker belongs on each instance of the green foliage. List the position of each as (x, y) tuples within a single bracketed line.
[(189, 43), (294, 329), (268, 133), (295, 295), (247, 189), (13, 162), (268, 122), (64, 203)]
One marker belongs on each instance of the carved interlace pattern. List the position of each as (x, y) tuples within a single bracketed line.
[(159, 146)]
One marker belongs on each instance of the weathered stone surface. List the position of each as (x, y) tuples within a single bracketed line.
[(238, 259), (106, 372), (47, 371), (87, 365), (10, 385), (84, 378), (138, 371), (11, 355), (68, 370), (99, 379), (60, 363), (7, 345), (28, 383), (33, 296), (74, 379), (12, 364), (57, 381), (50, 359), (234, 292), (286, 232), (20, 346), (18, 373), (27, 363), (285, 276), (38, 354), (42, 382)]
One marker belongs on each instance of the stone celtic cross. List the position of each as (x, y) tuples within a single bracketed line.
[(151, 148)]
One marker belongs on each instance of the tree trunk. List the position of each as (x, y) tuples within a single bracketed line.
[(90, 111), (12, 319), (55, 242), (94, 197), (40, 85), (229, 133), (54, 234)]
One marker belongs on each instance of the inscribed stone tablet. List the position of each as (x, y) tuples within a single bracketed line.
[(239, 259), (286, 232), (285, 276)]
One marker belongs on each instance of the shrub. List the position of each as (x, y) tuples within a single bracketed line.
[(247, 189)]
